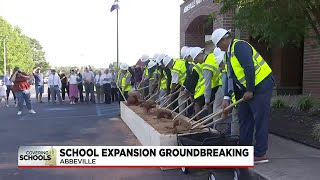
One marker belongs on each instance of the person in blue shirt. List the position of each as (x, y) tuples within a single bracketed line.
[(250, 78)]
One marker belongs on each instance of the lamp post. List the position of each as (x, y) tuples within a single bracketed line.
[(4, 56)]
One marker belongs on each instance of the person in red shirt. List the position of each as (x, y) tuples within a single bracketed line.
[(21, 88)]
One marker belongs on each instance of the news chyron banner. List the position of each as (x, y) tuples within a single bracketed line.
[(135, 156)]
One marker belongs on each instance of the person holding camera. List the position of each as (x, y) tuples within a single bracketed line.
[(21, 88), (38, 84)]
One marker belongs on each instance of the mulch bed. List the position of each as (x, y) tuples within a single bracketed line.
[(295, 125)]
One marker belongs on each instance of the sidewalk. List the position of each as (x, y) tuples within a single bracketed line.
[(289, 160)]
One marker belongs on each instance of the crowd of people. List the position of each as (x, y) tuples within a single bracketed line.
[(233, 74), (99, 87)]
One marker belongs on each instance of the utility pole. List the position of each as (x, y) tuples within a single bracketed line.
[(4, 56), (117, 38)]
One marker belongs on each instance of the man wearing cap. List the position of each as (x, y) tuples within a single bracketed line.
[(213, 81), (250, 78), (54, 82), (21, 88), (124, 81)]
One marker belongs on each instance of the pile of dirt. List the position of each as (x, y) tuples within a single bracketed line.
[(163, 126), (295, 125)]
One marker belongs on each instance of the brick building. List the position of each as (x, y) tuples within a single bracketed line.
[(296, 69)]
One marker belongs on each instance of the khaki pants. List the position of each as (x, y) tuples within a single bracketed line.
[(161, 94), (181, 100), (217, 104)]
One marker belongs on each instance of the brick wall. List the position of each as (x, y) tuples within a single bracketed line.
[(311, 70)]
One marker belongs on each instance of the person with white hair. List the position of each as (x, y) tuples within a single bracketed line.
[(88, 81)]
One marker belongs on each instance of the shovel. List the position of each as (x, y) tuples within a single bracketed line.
[(183, 111), (180, 105), (173, 101), (168, 98), (217, 114), (198, 113), (122, 93), (152, 96), (142, 88), (215, 121)]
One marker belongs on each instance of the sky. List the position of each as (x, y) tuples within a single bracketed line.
[(83, 32)]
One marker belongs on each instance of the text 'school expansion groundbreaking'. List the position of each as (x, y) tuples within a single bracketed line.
[(212, 152)]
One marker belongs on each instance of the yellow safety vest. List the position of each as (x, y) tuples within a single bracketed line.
[(123, 81), (262, 69), (210, 63), (200, 87), (180, 68), (146, 71)]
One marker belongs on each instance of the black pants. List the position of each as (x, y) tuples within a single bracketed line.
[(80, 88), (9, 88), (107, 93), (125, 95), (114, 94), (64, 90), (146, 90)]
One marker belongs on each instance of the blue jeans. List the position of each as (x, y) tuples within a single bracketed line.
[(255, 114), (23, 96)]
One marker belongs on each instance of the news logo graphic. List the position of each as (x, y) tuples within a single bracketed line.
[(135, 156), (37, 155)]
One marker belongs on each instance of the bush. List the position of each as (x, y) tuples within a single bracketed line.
[(316, 132), (277, 103), (304, 103)]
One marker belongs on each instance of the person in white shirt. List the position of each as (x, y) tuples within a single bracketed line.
[(54, 82), (106, 81), (73, 86), (99, 87), (8, 84), (3, 89)]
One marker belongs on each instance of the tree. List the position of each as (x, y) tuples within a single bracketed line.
[(21, 50), (276, 22), (38, 55)]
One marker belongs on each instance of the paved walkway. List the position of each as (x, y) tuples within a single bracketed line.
[(290, 161)]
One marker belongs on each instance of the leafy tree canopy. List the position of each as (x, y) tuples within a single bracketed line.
[(274, 21)]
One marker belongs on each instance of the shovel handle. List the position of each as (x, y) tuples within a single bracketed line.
[(180, 105), (217, 113), (182, 111), (122, 94), (152, 96), (198, 113)]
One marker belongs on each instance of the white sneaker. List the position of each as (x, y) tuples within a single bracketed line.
[(16, 105), (71, 103), (7, 105), (32, 111), (19, 113)]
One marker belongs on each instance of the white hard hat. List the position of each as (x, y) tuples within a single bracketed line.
[(155, 56), (151, 64), (219, 55), (218, 34), (160, 57), (144, 58), (195, 51), (124, 66), (183, 51), (188, 51), (166, 61)]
